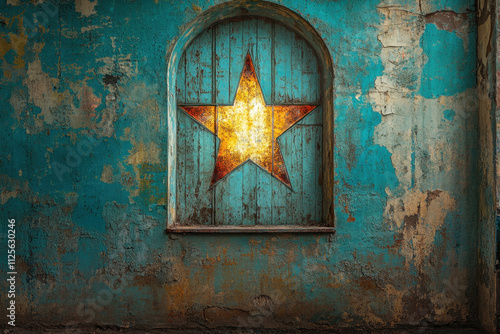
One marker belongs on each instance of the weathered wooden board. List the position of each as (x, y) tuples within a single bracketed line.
[(301, 149), (288, 73), (196, 152)]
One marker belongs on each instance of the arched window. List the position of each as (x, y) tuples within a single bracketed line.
[(251, 117)]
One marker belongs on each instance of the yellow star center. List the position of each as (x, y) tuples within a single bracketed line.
[(249, 129)]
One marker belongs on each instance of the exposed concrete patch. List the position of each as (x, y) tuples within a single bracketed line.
[(85, 7), (12, 188), (405, 111), (42, 91), (420, 215), (107, 174), (452, 22), (144, 153), (400, 36), (122, 64), (446, 20), (58, 107), (88, 104), (88, 101), (400, 28)]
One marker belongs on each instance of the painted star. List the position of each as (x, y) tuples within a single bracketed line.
[(248, 129)]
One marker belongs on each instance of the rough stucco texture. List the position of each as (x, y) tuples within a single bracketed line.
[(82, 172)]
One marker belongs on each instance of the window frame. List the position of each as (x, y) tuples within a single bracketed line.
[(297, 24)]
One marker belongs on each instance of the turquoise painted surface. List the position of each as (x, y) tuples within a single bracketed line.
[(448, 70), (449, 114), (82, 162), (249, 195)]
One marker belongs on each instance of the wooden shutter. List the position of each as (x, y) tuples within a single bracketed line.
[(208, 74)]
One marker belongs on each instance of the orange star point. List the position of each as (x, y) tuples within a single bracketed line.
[(248, 130)]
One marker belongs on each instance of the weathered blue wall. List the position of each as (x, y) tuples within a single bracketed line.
[(82, 165)]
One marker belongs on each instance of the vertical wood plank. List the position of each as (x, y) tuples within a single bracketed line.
[(312, 161), (228, 201), (310, 76), (222, 56), (281, 196), (263, 69), (181, 80), (249, 37), (222, 208), (281, 209), (311, 176), (191, 166), (223, 96), (316, 178), (236, 56), (206, 167), (249, 171), (296, 63), (295, 171), (278, 207), (263, 59), (264, 192), (248, 198), (199, 69), (181, 167), (283, 67), (309, 183)]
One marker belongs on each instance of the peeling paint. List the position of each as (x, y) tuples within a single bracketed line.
[(420, 215), (447, 20), (107, 174), (85, 7)]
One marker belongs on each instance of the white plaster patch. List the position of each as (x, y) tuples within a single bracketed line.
[(419, 215), (399, 35), (425, 149)]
